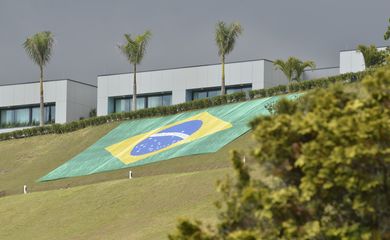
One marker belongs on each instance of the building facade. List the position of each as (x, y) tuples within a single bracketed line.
[(65, 100), (353, 61), (173, 86), (68, 100), (320, 73)]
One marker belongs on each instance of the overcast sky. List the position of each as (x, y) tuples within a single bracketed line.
[(87, 32)]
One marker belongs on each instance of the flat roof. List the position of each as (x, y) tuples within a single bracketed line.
[(321, 68), (51, 80), (192, 66), (349, 50)]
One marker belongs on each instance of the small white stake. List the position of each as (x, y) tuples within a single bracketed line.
[(243, 160), (25, 189), (130, 175)]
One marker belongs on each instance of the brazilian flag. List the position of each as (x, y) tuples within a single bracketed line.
[(144, 141)]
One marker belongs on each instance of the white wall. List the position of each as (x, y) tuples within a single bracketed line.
[(81, 99), (73, 100), (352, 61), (320, 73), (179, 80), (28, 94), (272, 76)]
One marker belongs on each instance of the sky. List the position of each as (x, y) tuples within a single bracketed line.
[(87, 32)]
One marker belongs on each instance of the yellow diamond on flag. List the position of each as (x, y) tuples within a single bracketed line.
[(161, 139)]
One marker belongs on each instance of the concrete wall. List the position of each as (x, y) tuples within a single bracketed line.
[(179, 81), (28, 94), (320, 73), (272, 76), (72, 99), (81, 99)]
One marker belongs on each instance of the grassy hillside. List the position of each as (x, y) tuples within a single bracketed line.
[(105, 205), (140, 208), (23, 161)]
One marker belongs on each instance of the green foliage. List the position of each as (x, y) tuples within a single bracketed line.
[(135, 49), (293, 68), (191, 231), (308, 84), (226, 36), (372, 56), (92, 113), (39, 47), (387, 33), (330, 152)]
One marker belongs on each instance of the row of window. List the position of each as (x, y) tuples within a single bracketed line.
[(207, 93), (26, 115), (124, 104)]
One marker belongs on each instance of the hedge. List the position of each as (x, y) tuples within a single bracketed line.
[(308, 84), (142, 113), (187, 106)]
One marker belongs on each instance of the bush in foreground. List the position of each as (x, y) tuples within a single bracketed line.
[(329, 154)]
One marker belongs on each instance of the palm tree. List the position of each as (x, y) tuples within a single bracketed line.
[(300, 68), (372, 56), (293, 68), (287, 67), (134, 50), (39, 48), (225, 37)]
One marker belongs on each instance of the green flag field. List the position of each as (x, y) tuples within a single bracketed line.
[(144, 141)]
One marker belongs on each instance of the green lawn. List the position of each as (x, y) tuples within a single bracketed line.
[(140, 208), (105, 205), (23, 161)]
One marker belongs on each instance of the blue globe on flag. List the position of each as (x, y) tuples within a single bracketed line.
[(166, 137)]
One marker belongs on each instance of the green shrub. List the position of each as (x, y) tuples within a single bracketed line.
[(308, 84), (326, 160)]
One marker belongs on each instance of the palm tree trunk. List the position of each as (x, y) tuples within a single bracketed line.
[(41, 104), (289, 84), (223, 91), (134, 104)]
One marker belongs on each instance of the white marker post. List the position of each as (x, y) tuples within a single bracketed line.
[(244, 160), (25, 189), (130, 174)]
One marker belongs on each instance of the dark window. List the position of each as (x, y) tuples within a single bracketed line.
[(146, 101), (167, 100), (26, 116), (212, 92)]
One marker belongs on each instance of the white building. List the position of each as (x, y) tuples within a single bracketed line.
[(320, 73), (173, 86), (65, 100), (352, 61)]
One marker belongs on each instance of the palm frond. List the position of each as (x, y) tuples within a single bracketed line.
[(39, 47), (372, 56), (134, 49), (286, 67), (301, 67), (293, 68), (226, 36)]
